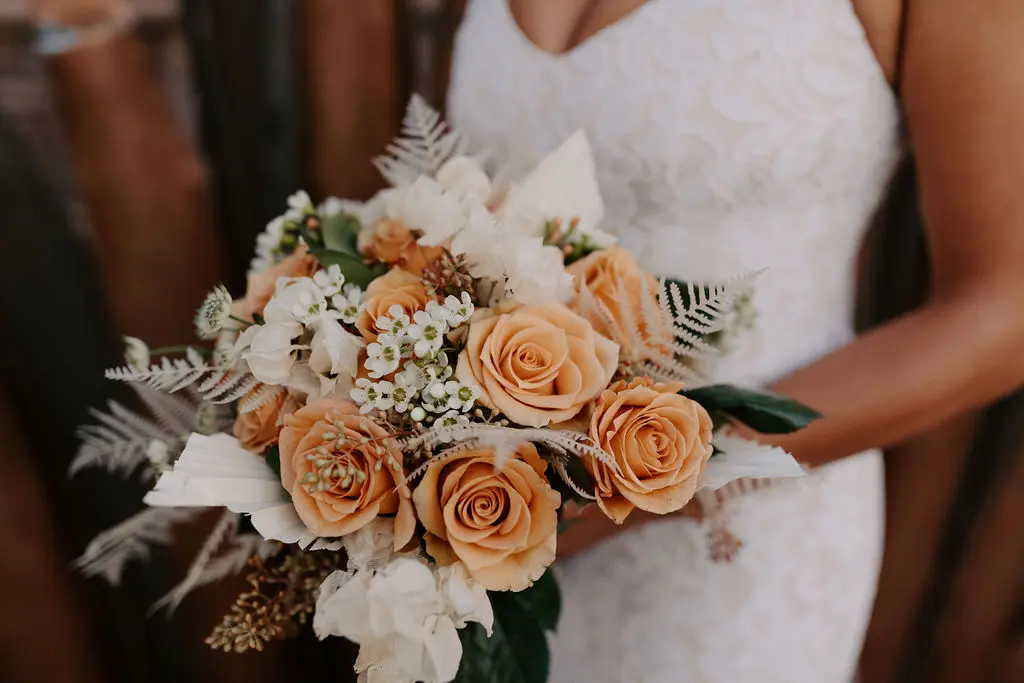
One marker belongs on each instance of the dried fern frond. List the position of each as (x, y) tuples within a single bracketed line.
[(426, 143), (119, 442), (259, 397), (223, 554), (215, 383), (109, 552), (504, 439), (282, 596)]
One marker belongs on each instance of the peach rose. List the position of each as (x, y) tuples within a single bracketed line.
[(260, 286), (661, 442), (388, 240), (603, 271), (257, 429), (501, 524), (397, 286), (537, 364), (343, 470)]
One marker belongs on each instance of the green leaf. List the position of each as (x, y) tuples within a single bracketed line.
[(273, 457), (543, 600), (516, 652), (762, 412), (353, 268), (340, 233)]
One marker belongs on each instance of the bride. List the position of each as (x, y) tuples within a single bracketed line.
[(738, 135)]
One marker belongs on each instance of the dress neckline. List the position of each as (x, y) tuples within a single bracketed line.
[(619, 25)]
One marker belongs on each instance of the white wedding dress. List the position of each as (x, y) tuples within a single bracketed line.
[(730, 136)]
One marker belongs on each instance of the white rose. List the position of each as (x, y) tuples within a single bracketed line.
[(296, 299), (464, 175), (270, 350), (334, 356)]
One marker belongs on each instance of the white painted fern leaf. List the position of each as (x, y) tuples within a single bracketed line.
[(111, 550), (118, 443), (224, 553), (215, 383), (426, 143)]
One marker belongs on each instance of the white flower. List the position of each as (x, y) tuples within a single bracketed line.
[(535, 274), (136, 353), (300, 202), (402, 397), (395, 323), (271, 350), (464, 175), (330, 281), (364, 394), (465, 598), (461, 396), (383, 400), (382, 358), (412, 376), (451, 418), (428, 334), (371, 546), (417, 414), (349, 303), (457, 311), (297, 299), (268, 243), (403, 616), (334, 355), (158, 454), (213, 313), (425, 206)]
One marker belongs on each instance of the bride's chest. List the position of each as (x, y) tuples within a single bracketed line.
[(699, 105)]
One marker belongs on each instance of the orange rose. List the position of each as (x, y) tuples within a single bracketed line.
[(661, 442), (260, 286), (397, 286), (257, 429), (501, 524), (342, 470), (537, 364), (622, 289), (388, 240)]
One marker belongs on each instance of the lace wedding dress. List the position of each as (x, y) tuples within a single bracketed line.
[(730, 136)]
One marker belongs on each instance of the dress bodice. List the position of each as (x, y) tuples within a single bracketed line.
[(730, 136)]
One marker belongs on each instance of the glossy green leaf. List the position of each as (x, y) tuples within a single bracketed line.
[(763, 412), (543, 600), (516, 652), (273, 457), (352, 267), (340, 233)]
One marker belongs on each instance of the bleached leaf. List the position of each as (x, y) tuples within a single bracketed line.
[(743, 459)]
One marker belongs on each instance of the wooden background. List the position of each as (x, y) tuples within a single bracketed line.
[(281, 94)]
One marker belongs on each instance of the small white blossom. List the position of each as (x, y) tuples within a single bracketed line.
[(300, 202), (136, 353), (461, 396), (412, 376), (451, 418), (364, 394), (213, 313), (418, 414), (383, 391), (457, 311), (395, 324), (402, 397), (268, 244), (427, 333), (296, 299), (330, 280), (382, 359), (349, 303), (158, 454)]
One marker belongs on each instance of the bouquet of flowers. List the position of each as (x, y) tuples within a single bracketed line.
[(411, 392)]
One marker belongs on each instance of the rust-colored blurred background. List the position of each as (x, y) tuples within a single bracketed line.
[(135, 174)]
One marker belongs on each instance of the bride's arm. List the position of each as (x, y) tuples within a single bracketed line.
[(963, 89)]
